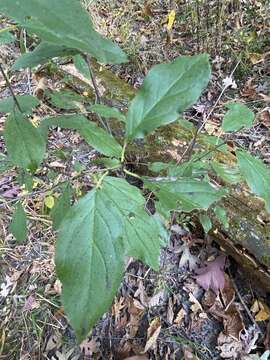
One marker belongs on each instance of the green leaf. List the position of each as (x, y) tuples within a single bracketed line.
[(226, 173), (18, 226), (5, 163), (26, 102), (42, 54), (184, 194), (239, 116), (61, 207), (108, 112), (6, 37), (63, 23), (256, 174), (65, 99), (206, 222), (92, 134), (167, 91), (108, 163), (94, 237), (222, 216), (82, 66), (25, 145)]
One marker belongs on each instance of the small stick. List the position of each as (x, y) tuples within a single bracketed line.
[(10, 88), (243, 303)]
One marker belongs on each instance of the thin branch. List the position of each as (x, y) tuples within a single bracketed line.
[(10, 88), (103, 121)]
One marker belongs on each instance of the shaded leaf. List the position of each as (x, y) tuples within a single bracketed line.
[(206, 222), (226, 173), (256, 174), (108, 112), (222, 216), (18, 226), (25, 145), (72, 29), (238, 116), (82, 66), (6, 37), (26, 102), (41, 54), (92, 134), (185, 194), (61, 207), (5, 163), (65, 99), (167, 90)]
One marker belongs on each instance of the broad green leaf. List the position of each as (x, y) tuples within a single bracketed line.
[(108, 112), (158, 167), (65, 99), (61, 207), (167, 90), (6, 37), (227, 173), (92, 134), (5, 163), (89, 260), (26, 102), (25, 145), (41, 54), (82, 66), (63, 23), (256, 174), (141, 234), (206, 222), (184, 194), (237, 117), (222, 216), (25, 179), (18, 226), (96, 234), (213, 142)]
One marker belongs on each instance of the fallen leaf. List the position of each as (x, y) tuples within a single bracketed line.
[(229, 348), (31, 303), (89, 347), (152, 333), (264, 313), (137, 357), (229, 82), (156, 299), (187, 257), (196, 306), (180, 316), (171, 18), (212, 275), (267, 337), (188, 353)]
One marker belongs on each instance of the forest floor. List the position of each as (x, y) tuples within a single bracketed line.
[(164, 315)]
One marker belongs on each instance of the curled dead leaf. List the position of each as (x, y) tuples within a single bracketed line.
[(152, 333)]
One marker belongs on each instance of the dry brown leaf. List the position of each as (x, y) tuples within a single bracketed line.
[(264, 313), (89, 347), (152, 333), (180, 316), (188, 354), (267, 337), (196, 306), (170, 313), (229, 347)]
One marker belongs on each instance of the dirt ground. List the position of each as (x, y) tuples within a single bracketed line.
[(164, 315)]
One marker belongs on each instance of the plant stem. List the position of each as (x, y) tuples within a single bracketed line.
[(10, 88), (132, 174), (98, 185), (103, 121), (123, 151)]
